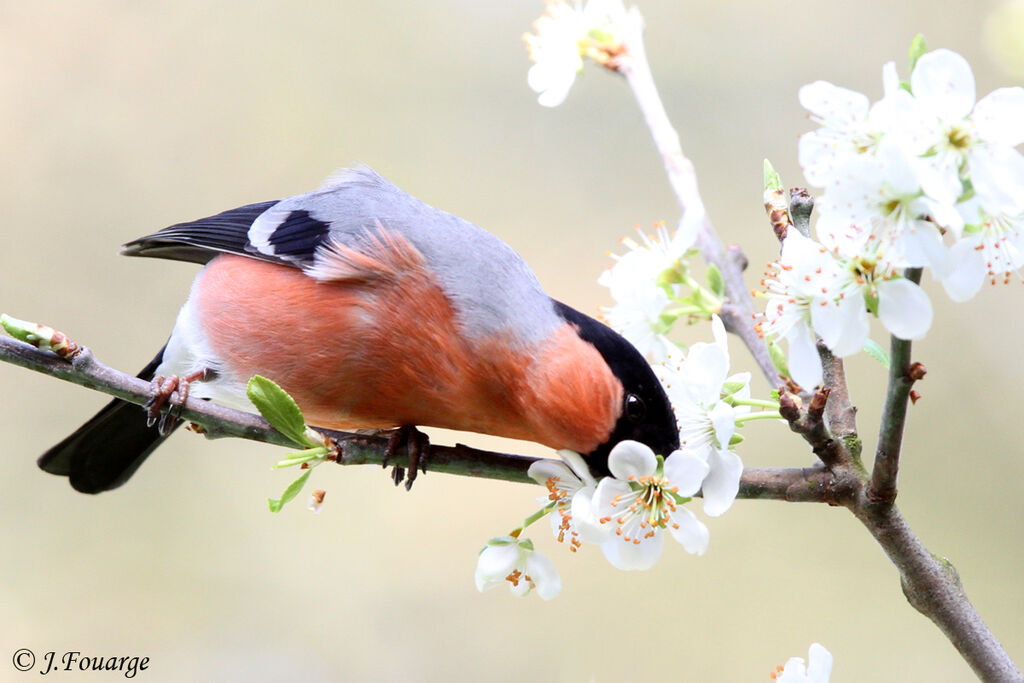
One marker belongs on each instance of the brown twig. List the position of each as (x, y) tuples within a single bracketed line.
[(931, 584), (357, 449), (902, 375), (840, 412), (737, 311)]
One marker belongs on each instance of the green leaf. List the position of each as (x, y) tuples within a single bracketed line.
[(736, 438), (775, 394), (772, 179), (872, 348), (300, 457), (289, 493), (279, 409), (715, 281), (917, 48)]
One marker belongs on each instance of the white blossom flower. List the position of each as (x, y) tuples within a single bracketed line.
[(972, 139), (638, 319), (564, 36), (640, 501), (903, 176), (514, 560), (992, 247), (571, 488), (869, 280), (707, 422), (806, 296), (828, 293), (880, 197), (818, 668), (851, 126), (634, 281), (646, 261)]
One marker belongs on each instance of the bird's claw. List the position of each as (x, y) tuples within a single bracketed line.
[(417, 446), (171, 390)]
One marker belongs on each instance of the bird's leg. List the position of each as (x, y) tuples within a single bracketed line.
[(417, 445), (173, 390)]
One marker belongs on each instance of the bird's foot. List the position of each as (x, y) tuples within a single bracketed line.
[(417, 445), (172, 390)]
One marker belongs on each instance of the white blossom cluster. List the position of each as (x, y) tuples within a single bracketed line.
[(924, 178), (564, 36), (630, 513)]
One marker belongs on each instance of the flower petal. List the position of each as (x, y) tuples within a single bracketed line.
[(890, 79), (997, 173), (719, 334), (607, 489), (943, 80), (966, 273), (495, 563), (921, 245), (833, 104), (542, 470), (904, 308), (578, 465), (686, 471), (819, 663), (804, 362), (631, 458), (793, 672), (723, 420), (544, 575), (843, 325), (585, 517), (722, 483), (629, 555), (999, 116), (689, 531)]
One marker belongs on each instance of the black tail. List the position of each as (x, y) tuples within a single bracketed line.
[(104, 452)]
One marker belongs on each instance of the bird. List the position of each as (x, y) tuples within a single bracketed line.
[(375, 311)]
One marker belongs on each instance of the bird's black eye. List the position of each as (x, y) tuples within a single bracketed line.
[(635, 408)]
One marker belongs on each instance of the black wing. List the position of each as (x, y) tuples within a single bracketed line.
[(293, 240), (288, 231), (199, 241)]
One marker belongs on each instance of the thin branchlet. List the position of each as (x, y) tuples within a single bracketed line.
[(215, 421)]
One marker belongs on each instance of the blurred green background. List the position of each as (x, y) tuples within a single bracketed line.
[(118, 118)]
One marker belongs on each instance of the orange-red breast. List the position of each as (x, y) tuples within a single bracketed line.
[(375, 310)]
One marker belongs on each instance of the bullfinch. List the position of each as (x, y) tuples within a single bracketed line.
[(377, 311)]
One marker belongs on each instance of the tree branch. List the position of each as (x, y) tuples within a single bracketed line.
[(931, 584), (737, 312), (840, 411), (81, 367), (902, 376)]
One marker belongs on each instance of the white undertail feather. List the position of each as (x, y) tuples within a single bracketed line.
[(188, 351)]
